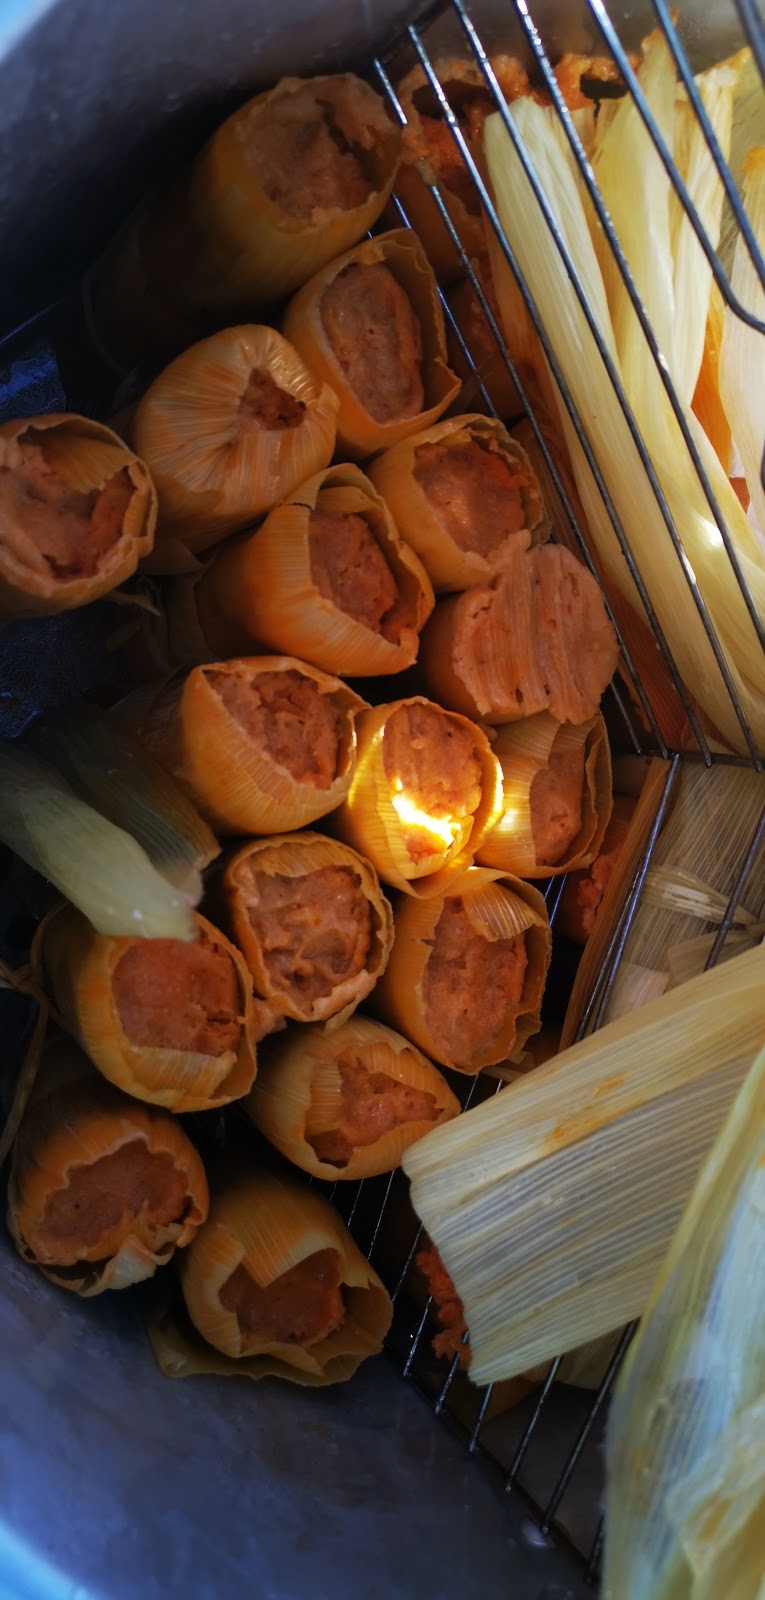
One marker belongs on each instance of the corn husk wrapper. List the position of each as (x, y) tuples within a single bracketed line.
[(535, 639), (499, 907), (359, 434), (297, 856), (74, 1120), (582, 897), (487, 386), (262, 590), (523, 749), (371, 821), (237, 785), (79, 967), (299, 1089), (84, 456), (214, 243), (742, 385), (267, 1224), (552, 1205), (686, 1484), (449, 567), (215, 467)]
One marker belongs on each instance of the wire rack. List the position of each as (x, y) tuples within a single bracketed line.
[(549, 1451)]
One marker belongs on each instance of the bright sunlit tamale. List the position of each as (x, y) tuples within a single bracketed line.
[(556, 779), (583, 893), (169, 1022), (277, 1285), (347, 1103), (102, 1188), (553, 1204), (292, 178), (467, 970), (327, 577), (371, 326), (77, 513), (228, 429), (312, 923), (461, 494), (536, 639), (426, 790), (263, 744)]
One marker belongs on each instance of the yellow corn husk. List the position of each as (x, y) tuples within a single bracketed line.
[(552, 1205), (475, 1013), (242, 226), (228, 429), (536, 639), (557, 786), (584, 889), (359, 433), (78, 512), (170, 1023), (230, 764), (421, 827), (742, 385), (492, 493), (267, 588), (101, 868), (121, 1228), (686, 1455), (320, 1091), (318, 942), (242, 1287)]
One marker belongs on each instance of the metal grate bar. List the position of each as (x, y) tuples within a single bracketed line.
[(753, 31), (595, 1552), (737, 891), (525, 1440), (600, 344), (586, 1428)]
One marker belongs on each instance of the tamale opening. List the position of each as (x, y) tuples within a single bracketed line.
[(555, 804), (175, 996), (434, 775), (314, 931), (131, 1189), (469, 983), (349, 568), (302, 1306), (376, 338), (476, 494), (286, 715), (49, 526), (305, 152), (265, 405), (371, 1105)]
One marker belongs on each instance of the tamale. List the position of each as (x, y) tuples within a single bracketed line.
[(556, 782), (485, 376), (583, 892)]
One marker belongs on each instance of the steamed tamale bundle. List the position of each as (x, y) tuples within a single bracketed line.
[(172, 1023), (536, 639), (103, 1189), (262, 744), (77, 514), (584, 889), (556, 781), (229, 428), (426, 790), (312, 923), (327, 577), (277, 1287), (486, 382), (370, 325), (292, 178), (552, 1204), (347, 1103), (467, 971), (461, 494)]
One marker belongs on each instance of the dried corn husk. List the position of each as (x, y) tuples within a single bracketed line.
[(528, 753), (54, 468), (741, 356), (209, 987), (686, 1489), (536, 639), (284, 956), (76, 1121), (228, 768), (420, 521), (264, 590), (552, 1205), (582, 896), (315, 1086), (220, 240), (228, 429), (412, 848), (359, 433), (500, 909), (265, 1226)]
